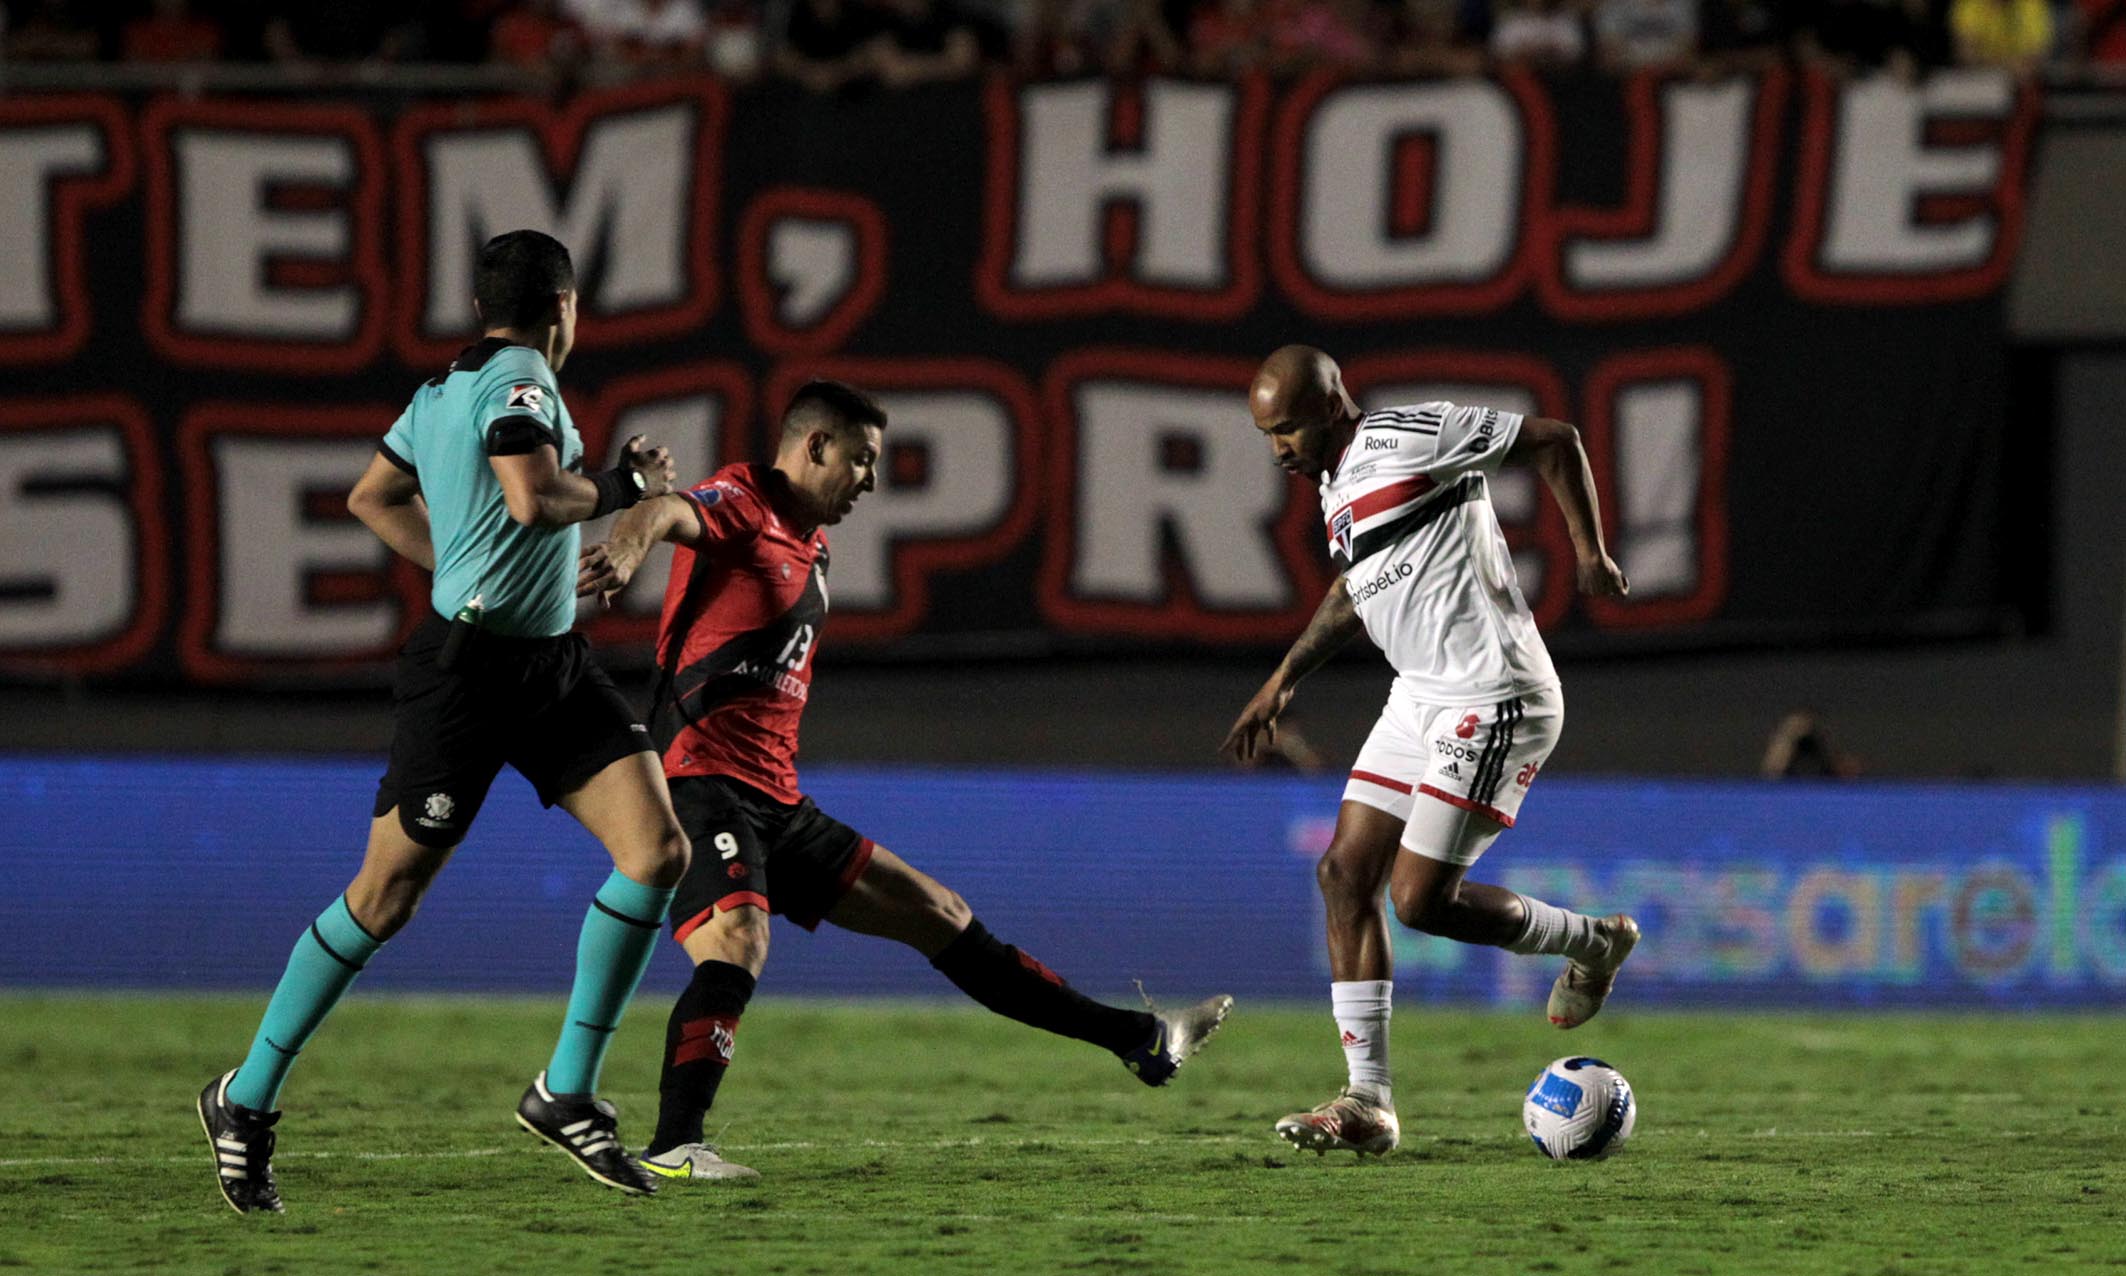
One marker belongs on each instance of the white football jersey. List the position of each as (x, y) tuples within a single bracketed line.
[(1410, 523)]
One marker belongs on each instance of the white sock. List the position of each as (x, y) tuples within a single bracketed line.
[(1559, 932), (1362, 1007)]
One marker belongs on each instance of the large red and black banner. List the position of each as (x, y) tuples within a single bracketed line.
[(1772, 305)]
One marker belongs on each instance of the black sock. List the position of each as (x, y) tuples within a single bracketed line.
[(697, 1050), (1019, 987)]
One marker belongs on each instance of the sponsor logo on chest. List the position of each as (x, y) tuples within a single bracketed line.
[(1388, 579)]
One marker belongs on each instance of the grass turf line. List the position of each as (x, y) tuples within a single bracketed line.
[(936, 1138)]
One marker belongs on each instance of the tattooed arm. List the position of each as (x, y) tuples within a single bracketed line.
[(1335, 623)]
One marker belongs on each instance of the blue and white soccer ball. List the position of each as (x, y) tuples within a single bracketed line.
[(1580, 1109)]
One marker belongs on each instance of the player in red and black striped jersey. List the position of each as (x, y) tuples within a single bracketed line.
[(742, 620)]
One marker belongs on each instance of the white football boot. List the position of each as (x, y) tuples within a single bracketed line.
[(1580, 991), (696, 1161), (1176, 1036), (1346, 1123)]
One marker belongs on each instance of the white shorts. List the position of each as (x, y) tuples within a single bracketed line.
[(1481, 758)]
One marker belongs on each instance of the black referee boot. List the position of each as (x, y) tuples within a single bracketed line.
[(589, 1131), (242, 1143)]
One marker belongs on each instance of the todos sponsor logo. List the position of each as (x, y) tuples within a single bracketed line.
[(1388, 579), (1454, 749)]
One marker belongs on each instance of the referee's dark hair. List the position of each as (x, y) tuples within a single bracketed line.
[(517, 276), (843, 406)]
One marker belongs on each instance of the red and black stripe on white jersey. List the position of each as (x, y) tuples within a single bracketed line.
[(1399, 473), (743, 614), (1408, 515)]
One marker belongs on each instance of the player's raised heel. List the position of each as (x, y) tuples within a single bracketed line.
[(589, 1131), (1177, 1035), (696, 1161), (242, 1143), (1580, 991), (1346, 1123)]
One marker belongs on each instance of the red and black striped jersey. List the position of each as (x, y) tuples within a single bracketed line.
[(742, 616)]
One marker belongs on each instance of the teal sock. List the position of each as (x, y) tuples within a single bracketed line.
[(619, 933), (325, 961)]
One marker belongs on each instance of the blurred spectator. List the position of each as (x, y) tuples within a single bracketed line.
[(1229, 37), (1311, 33), (1429, 39), (1849, 37), (1646, 35), (735, 50), (829, 44), (49, 31), (1050, 40), (373, 31), (170, 32), (2015, 34), (1134, 38), (1801, 749), (2103, 40), (536, 34), (642, 32), (1543, 34), (460, 30), (925, 42), (1741, 36)]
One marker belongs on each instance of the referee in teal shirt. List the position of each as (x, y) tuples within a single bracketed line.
[(479, 481)]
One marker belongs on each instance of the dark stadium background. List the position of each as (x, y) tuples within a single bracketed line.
[(1881, 548)]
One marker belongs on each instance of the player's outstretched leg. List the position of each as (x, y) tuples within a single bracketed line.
[(893, 900), (1361, 993), (238, 1109), (729, 948), (1439, 844), (625, 806)]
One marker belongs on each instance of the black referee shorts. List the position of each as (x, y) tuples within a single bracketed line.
[(740, 834), (537, 704)]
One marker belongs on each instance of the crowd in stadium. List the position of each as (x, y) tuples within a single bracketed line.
[(832, 45)]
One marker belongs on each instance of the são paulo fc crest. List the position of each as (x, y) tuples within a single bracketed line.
[(1340, 534), (527, 397)]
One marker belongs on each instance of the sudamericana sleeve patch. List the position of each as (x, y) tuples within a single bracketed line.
[(526, 398)]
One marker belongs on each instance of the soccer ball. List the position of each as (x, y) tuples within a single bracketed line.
[(1580, 1109)]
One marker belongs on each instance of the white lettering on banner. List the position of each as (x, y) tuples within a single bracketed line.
[(269, 550), (1704, 172), (691, 428), (1479, 161), (813, 263), (971, 447), (1218, 512), (67, 570), (1882, 166), (1658, 444), (623, 212), (227, 234), (30, 161), (1513, 488), (1178, 179)]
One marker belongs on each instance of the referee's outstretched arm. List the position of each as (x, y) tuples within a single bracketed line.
[(540, 493)]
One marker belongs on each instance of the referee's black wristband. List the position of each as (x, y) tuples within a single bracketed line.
[(617, 490)]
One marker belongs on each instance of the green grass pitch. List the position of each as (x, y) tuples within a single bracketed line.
[(928, 1138)]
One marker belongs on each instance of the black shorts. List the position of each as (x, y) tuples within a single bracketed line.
[(737, 831), (537, 704)]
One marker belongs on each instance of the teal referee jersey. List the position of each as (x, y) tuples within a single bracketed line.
[(497, 399)]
